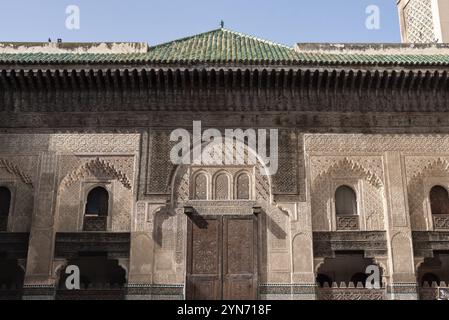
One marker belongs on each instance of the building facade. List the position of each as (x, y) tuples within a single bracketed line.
[(87, 179)]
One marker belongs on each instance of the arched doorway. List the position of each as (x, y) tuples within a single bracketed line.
[(225, 213)]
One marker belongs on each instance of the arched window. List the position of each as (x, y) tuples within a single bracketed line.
[(96, 213), (5, 204), (200, 187), (345, 201), (439, 200), (222, 187), (243, 187), (97, 202)]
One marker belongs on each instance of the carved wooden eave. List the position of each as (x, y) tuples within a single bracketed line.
[(288, 88)]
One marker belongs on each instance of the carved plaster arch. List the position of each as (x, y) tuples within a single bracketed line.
[(346, 166), (180, 180), (14, 170), (439, 166), (97, 167), (418, 190), (349, 172)]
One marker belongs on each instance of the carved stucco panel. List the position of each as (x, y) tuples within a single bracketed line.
[(78, 173), (327, 172), (423, 172)]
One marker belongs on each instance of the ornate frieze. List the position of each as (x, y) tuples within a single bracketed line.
[(441, 222), (362, 144), (350, 294)]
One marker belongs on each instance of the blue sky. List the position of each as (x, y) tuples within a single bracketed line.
[(282, 21)]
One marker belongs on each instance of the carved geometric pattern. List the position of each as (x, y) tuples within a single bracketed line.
[(285, 181), (350, 294), (243, 187), (441, 222), (181, 185), (204, 248), (346, 165), (98, 143), (222, 187), (161, 167), (419, 22), (354, 144), (436, 167), (14, 170), (95, 167), (200, 187), (184, 188), (419, 168), (324, 170), (95, 223), (348, 222)]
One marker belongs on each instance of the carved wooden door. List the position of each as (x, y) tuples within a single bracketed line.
[(222, 258), (239, 258), (204, 258)]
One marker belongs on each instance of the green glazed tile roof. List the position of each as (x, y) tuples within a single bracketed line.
[(223, 46), (373, 59)]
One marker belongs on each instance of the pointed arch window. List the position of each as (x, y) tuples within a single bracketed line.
[(439, 206), (345, 201), (5, 205), (96, 210), (439, 200), (347, 218)]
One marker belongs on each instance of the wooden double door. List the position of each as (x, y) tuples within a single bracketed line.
[(222, 258)]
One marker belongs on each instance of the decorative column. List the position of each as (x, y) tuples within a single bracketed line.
[(39, 280), (402, 284)]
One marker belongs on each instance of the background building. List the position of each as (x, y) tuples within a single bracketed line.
[(424, 21)]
